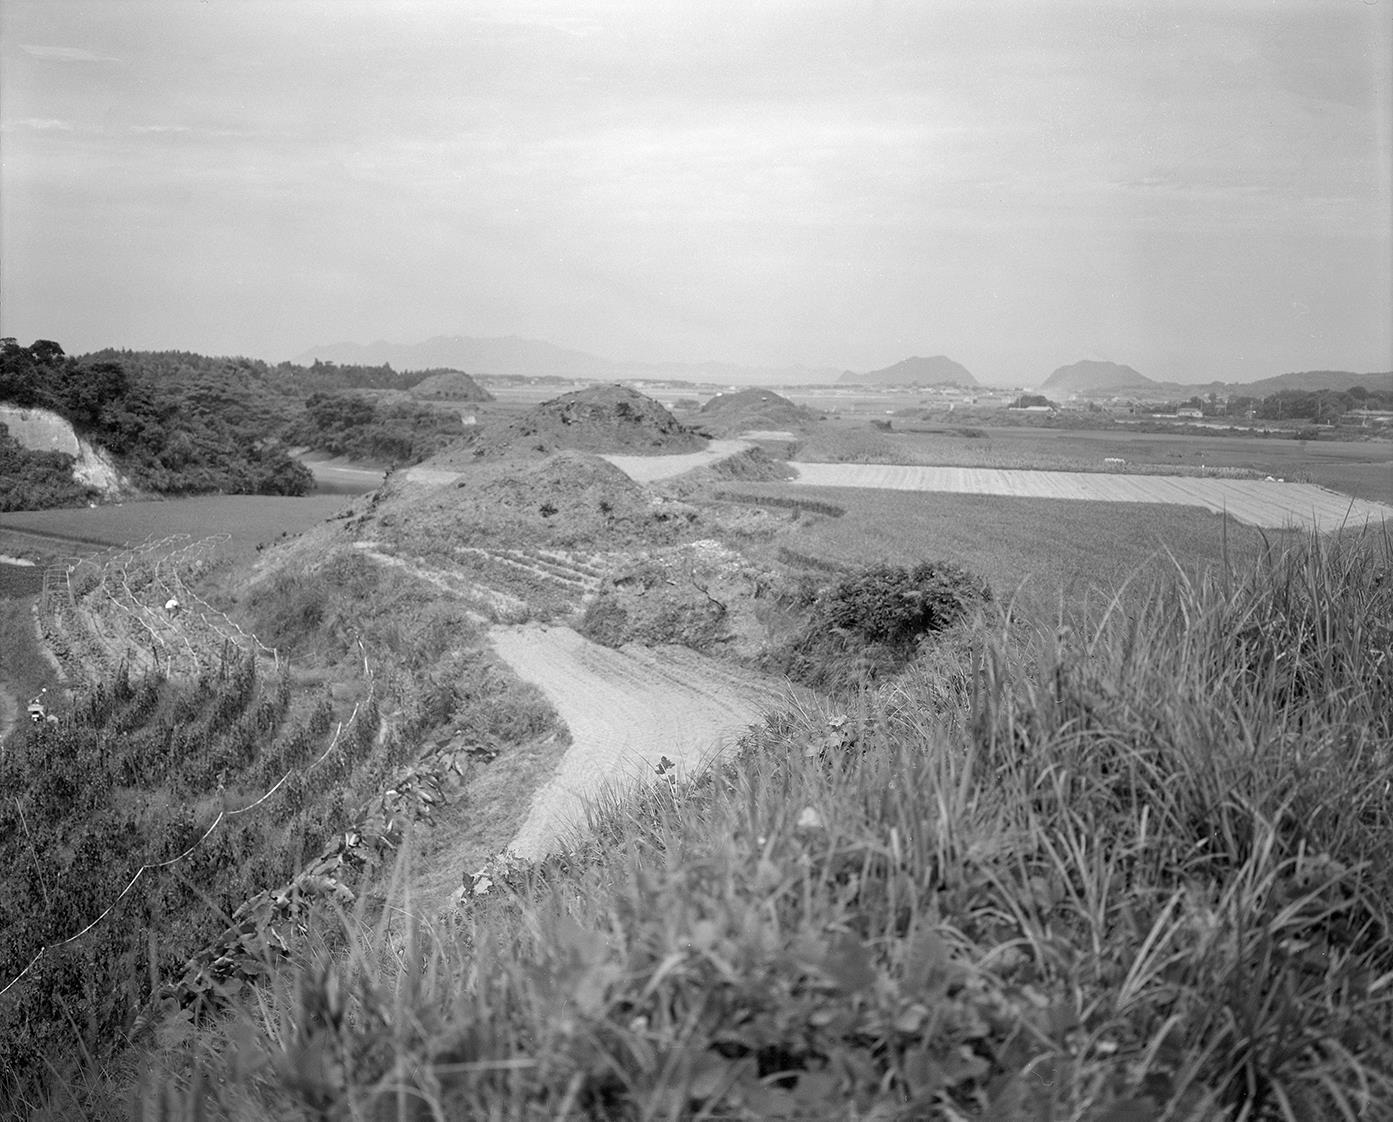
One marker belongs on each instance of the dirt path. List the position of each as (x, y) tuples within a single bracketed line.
[(1255, 501), (626, 709), (650, 469), (429, 477)]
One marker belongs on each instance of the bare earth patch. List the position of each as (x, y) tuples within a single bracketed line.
[(626, 709), (1257, 502)]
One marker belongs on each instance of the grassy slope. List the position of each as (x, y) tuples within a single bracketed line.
[(1137, 871)]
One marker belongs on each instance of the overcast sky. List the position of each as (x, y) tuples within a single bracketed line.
[(1201, 190)]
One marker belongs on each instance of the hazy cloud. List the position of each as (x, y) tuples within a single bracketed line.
[(45, 124), (65, 54), (833, 183)]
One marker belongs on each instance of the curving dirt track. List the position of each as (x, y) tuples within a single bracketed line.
[(1257, 502), (650, 469), (626, 709)]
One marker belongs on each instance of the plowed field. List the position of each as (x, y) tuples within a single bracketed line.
[(626, 710), (1257, 502)]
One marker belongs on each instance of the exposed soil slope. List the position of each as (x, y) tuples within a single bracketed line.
[(626, 710), (42, 430), (1257, 502)]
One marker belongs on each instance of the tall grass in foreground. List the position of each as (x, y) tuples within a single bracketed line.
[(1133, 873)]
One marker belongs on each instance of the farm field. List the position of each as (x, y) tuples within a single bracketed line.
[(249, 520), (1259, 503), (1362, 469), (1049, 551)]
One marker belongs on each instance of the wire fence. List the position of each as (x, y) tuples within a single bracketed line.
[(64, 594), (141, 609)]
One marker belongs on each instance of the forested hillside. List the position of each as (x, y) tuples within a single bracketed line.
[(166, 439), (180, 423)]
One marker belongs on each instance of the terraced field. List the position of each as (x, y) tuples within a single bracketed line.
[(1257, 502), (106, 610)]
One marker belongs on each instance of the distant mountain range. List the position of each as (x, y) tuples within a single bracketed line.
[(939, 370), (1090, 378), (534, 358)]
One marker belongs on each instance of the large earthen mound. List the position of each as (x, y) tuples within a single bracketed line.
[(450, 385), (567, 500), (732, 413), (595, 419)]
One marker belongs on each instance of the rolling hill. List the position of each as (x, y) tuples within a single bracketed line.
[(1315, 380), (1092, 376)]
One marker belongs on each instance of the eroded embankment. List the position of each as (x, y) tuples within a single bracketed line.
[(626, 709)]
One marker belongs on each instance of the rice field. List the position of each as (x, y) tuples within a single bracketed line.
[(1271, 505)]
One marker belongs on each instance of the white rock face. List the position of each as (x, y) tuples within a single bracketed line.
[(41, 430)]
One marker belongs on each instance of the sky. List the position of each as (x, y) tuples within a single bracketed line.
[(1199, 189)]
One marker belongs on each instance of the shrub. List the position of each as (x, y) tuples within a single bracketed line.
[(605, 622), (872, 622)]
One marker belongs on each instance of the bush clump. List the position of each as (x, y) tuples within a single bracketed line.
[(872, 622)]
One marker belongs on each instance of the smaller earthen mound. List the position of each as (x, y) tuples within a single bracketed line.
[(450, 385), (729, 414), (595, 419)]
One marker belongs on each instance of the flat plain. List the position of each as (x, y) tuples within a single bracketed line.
[(1359, 468)]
